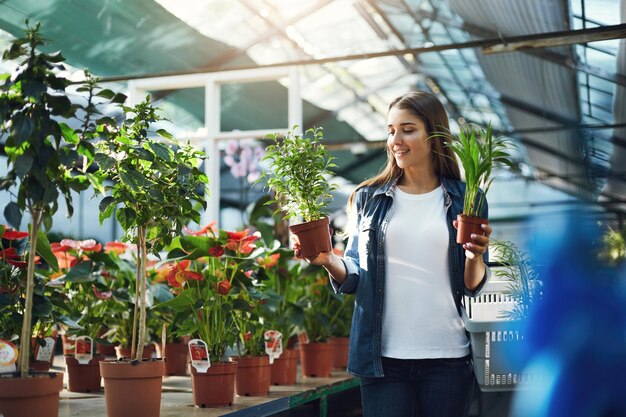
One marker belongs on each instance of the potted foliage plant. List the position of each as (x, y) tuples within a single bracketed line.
[(46, 160), (299, 178), (318, 303), (154, 183), (478, 151), (208, 274)]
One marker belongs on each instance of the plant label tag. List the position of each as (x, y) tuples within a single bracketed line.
[(303, 338), (273, 344), (8, 356), (45, 352), (83, 349), (199, 355)]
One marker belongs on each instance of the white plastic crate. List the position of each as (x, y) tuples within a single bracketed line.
[(492, 336)]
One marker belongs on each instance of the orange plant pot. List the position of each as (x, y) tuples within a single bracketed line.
[(284, 370), (341, 347), (253, 376), (316, 359), (32, 396), (314, 237), (466, 226), (83, 378), (216, 387), (176, 358)]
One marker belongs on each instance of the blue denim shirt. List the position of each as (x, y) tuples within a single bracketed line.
[(365, 264)]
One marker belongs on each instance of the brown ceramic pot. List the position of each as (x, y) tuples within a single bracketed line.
[(466, 226), (176, 358), (39, 366), (83, 378), (32, 396), (133, 390), (285, 369), (253, 376), (124, 352), (105, 350), (314, 237), (341, 347), (316, 359), (216, 387)]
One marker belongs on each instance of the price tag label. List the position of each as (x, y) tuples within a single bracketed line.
[(8, 356), (45, 352), (83, 349), (199, 354), (273, 344)]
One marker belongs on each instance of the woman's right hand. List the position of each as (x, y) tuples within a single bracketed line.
[(321, 259)]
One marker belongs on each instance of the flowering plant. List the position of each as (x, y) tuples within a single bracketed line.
[(210, 273), (86, 272), (13, 268)]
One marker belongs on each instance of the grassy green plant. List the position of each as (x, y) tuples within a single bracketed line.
[(155, 181), (300, 165), (478, 151), (516, 268)]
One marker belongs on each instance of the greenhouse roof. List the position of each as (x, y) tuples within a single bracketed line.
[(549, 73)]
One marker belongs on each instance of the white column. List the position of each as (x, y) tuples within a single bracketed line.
[(212, 163)]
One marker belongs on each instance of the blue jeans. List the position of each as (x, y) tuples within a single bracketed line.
[(419, 387)]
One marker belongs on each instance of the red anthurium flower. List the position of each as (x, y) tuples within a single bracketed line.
[(178, 274), (241, 242), (14, 234), (18, 263), (90, 245), (209, 228), (102, 295), (248, 273), (60, 247), (8, 253), (269, 261), (247, 336), (216, 251), (223, 287), (72, 244), (116, 247)]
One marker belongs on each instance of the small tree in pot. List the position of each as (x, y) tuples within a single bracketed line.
[(300, 167), (46, 160), (479, 151), (155, 182)]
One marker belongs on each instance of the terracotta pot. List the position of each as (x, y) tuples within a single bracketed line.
[(314, 237), (106, 350), (68, 344), (33, 396), (468, 225), (133, 390), (316, 359), (253, 376), (124, 352), (284, 370), (83, 378), (39, 366), (216, 387), (341, 346), (176, 358)]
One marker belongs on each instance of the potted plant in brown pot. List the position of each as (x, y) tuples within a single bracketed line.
[(154, 183), (207, 276), (300, 166), (46, 160), (478, 151)]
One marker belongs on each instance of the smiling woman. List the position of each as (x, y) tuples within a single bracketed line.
[(401, 261)]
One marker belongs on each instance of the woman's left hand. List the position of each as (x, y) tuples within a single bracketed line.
[(475, 249)]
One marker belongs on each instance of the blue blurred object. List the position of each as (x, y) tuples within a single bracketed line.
[(576, 336)]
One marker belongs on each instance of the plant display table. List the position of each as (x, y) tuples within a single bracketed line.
[(177, 399)]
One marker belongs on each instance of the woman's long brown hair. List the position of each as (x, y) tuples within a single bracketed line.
[(429, 110)]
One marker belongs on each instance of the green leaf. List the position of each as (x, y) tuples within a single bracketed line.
[(13, 214), (162, 151), (81, 272), (105, 203), (43, 249), (68, 134), (164, 133), (69, 322), (181, 302), (126, 217)]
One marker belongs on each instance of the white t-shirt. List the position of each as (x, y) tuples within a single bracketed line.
[(420, 319)]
